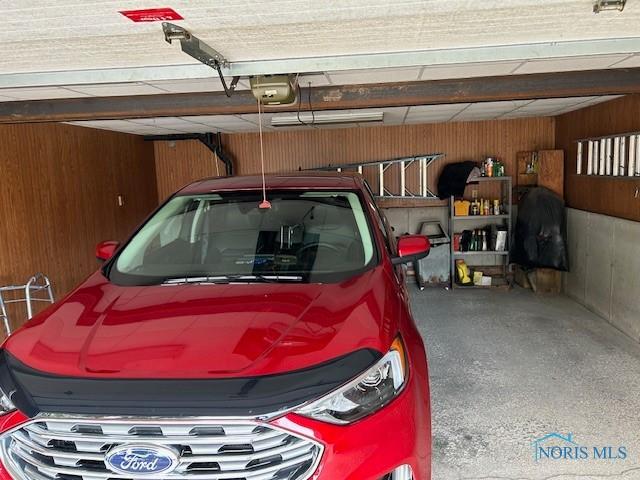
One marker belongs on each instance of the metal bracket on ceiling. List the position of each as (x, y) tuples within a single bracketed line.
[(196, 48)]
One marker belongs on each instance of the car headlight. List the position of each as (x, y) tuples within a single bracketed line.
[(366, 394), (6, 405)]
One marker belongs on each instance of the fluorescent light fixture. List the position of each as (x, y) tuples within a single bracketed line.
[(325, 119), (603, 5)]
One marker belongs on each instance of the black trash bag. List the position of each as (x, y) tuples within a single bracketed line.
[(453, 179), (541, 231)]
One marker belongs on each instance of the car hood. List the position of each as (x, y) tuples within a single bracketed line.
[(206, 331)]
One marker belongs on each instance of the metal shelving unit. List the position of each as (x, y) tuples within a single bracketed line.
[(505, 218)]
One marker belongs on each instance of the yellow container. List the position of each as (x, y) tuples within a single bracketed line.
[(461, 207)]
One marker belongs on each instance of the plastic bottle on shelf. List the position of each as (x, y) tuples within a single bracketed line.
[(489, 167)]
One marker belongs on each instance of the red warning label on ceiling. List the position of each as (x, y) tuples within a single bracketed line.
[(152, 14)]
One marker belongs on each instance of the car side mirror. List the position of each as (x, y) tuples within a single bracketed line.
[(105, 250), (411, 248)]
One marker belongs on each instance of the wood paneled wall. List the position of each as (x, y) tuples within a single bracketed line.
[(613, 196), (182, 162), (300, 149), (59, 198)]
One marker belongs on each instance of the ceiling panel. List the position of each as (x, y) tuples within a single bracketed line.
[(568, 64), (392, 116), (488, 69), (491, 107), (316, 80), (188, 85), (381, 75), (434, 113), (629, 62), (116, 89), (551, 104), (39, 93)]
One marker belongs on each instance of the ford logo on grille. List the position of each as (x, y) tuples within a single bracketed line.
[(141, 459)]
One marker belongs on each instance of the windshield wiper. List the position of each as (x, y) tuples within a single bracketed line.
[(196, 279), (224, 279)]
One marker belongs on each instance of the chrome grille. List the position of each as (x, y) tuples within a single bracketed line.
[(51, 448)]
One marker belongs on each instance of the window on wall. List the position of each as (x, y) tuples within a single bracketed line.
[(612, 155)]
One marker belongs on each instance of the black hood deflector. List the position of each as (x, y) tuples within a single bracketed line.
[(33, 391)]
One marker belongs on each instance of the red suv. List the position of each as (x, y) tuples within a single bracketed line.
[(229, 339)]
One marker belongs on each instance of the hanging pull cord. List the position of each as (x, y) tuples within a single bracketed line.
[(265, 203)]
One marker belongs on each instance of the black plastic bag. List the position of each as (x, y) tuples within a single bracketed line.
[(541, 231), (453, 179)]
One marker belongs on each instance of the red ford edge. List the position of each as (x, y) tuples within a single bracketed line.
[(229, 339)]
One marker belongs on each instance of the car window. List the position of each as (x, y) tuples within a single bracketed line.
[(382, 223), (304, 236)]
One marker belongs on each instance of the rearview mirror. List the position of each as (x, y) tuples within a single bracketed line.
[(105, 250), (411, 248)]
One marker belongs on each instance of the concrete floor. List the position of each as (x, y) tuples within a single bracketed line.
[(509, 367)]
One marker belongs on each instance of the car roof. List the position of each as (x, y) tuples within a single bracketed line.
[(298, 180)]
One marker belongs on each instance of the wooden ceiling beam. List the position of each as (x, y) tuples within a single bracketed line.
[(429, 92)]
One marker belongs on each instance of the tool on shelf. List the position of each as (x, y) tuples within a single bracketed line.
[(37, 289), (481, 230)]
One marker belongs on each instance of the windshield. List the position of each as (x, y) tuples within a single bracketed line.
[(305, 236)]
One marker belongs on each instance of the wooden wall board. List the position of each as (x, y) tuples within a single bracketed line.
[(59, 198)]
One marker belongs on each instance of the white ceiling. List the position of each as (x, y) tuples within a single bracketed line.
[(382, 75), (53, 35), (87, 43), (392, 116)]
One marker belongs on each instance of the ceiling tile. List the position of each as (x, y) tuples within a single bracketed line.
[(569, 64), (496, 106), (39, 93), (117, 89), (225, 122), (212, 84), (442, 108), (629, 62), (434, 118), (189, 85), (488, 69), (104, 123), (164, 122), (551, 104), (466, 115), (603, 98), (434, 113), (392, 115), (379, 75), (317, 80), (523, 114)]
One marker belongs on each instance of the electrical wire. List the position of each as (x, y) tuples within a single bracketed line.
[(313, 115)]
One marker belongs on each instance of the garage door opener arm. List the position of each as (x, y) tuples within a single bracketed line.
[(196, 48)]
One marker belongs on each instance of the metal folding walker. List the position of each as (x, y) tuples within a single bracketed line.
[(37, 289)]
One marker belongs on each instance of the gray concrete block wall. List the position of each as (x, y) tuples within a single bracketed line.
[(604, 256), (408, 220)]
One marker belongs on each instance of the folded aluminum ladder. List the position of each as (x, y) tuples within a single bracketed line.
[(37, 289), (400, 168)]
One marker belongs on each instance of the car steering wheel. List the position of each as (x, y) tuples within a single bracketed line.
[(317, 246)]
